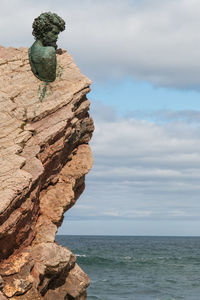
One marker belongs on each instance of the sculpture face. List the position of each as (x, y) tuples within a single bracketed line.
[(50, 38), (42, 54)]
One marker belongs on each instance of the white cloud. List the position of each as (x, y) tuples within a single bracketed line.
[(151, 40), (143, 170), (128, 214), (111, 213)]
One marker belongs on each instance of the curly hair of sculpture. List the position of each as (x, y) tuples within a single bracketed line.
[(42, 54)]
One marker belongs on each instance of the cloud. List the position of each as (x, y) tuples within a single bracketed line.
[(143, 170), (164, 116), (156, 41)]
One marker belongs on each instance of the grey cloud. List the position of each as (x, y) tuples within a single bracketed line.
[(180, 214), (102, 112), (143, 171), (151, 40), (164, 116)]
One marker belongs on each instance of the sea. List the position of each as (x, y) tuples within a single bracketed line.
[(138, 267)]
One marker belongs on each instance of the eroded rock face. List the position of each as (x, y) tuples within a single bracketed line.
[(44, 156)]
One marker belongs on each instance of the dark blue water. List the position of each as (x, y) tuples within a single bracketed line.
[(138, 268)]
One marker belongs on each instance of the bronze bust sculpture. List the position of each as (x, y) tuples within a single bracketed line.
[(42, 54)]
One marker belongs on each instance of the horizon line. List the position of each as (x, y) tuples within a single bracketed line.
[(116, 235)]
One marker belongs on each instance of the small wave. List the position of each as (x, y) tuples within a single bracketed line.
[(171, 280), (165, 299), (95, 260), (104, 280), (127, 257), (81, 255)]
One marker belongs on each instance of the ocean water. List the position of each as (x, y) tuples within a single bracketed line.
[(138, 268)]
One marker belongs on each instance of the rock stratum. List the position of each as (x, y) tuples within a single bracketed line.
[(44, 156)]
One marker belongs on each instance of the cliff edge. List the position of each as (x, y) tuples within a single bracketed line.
[(44, 156)]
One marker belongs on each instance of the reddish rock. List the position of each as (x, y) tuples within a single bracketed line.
[(2, 297), (44, 156)]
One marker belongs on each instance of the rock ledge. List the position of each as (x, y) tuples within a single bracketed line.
[(44, 156)]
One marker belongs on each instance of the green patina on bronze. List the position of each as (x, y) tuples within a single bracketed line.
[(42, 54)]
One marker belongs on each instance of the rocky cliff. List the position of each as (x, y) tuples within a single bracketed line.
[(44, 156)]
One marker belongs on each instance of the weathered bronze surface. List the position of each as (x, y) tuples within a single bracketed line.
[(42, 54)]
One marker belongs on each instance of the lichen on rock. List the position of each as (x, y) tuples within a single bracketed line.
[(44, 156)]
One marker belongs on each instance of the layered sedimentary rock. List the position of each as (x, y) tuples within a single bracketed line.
[(44, 156)]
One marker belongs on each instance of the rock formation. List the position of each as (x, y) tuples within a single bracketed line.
[(44, 156)]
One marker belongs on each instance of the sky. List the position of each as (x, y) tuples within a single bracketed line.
[(143, 57)]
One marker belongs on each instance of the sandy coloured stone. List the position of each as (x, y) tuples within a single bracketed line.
[(44, 156)]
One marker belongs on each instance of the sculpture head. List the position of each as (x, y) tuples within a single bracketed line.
[(46, 28)]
